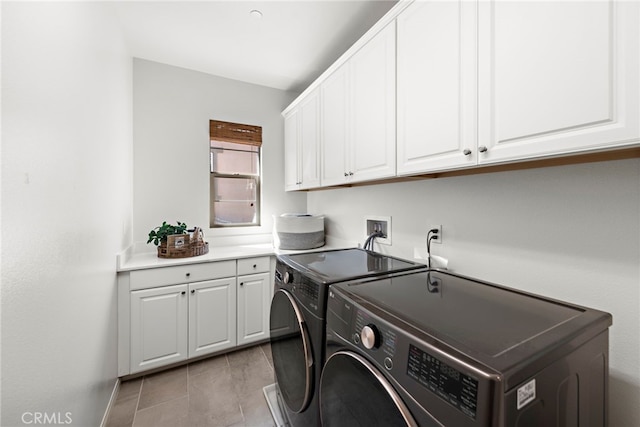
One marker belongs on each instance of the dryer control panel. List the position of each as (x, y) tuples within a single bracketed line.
[(308, 292)]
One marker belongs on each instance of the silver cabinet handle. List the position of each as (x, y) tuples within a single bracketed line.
[(482, 149), (466, 152)]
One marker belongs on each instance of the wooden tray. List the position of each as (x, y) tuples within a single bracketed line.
[(184, 245)]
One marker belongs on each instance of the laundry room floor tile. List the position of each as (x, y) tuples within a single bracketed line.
[(221, 391)]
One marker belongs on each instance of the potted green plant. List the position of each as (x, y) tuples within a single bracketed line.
[(159, 234), (175, 241)]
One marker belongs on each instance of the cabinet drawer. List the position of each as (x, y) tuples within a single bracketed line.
[(253, 265), (162, 276)]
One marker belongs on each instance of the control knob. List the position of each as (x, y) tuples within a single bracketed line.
[(370, 337), (288, 277)]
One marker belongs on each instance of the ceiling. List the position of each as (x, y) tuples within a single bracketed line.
[(287, 48)]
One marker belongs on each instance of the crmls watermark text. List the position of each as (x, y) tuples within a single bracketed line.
[(55, 418)]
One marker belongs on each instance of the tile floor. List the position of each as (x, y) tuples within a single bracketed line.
[(221, 391)]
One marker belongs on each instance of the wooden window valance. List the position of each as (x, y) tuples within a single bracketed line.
[(235, 132)]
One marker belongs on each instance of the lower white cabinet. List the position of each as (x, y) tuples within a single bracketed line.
[(212, 316), (166, 324), (158, 327), (254, 299), (172, 323)]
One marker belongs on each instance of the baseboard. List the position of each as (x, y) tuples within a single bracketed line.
[(112, 402)]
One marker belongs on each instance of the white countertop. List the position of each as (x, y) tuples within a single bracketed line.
[(143, 260)]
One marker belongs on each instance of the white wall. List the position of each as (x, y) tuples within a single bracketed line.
[(570, 232), (66, 207), (172, 109)]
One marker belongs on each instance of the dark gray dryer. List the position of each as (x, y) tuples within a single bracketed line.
[(434, 348), (298, 311)]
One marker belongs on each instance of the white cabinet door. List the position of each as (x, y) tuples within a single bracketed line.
[(436, 88), (254, 296), (556, 77), (334, 151), (301, 144), (372, 107), (346, 127), (308, 146), (291, 166), (212, 316), (158, 327)]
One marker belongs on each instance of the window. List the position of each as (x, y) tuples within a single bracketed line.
[(234, 159)]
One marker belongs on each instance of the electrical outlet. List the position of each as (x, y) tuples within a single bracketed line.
[(382, 224), (439, 233)]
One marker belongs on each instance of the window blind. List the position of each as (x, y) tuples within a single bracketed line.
[(235, 132)]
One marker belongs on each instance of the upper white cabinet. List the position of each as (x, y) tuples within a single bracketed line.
[(372, 130), (335, 165), (557, 77), (291, 164), (436, 86), (358, 114), (301, 135), (344, 130), (443, 85)]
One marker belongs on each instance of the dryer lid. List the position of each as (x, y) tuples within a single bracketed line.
[(346, 264)]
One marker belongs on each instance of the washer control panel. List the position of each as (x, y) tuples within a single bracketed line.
[(374, 336), (401, 355), (453, 386), (370, 336)]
